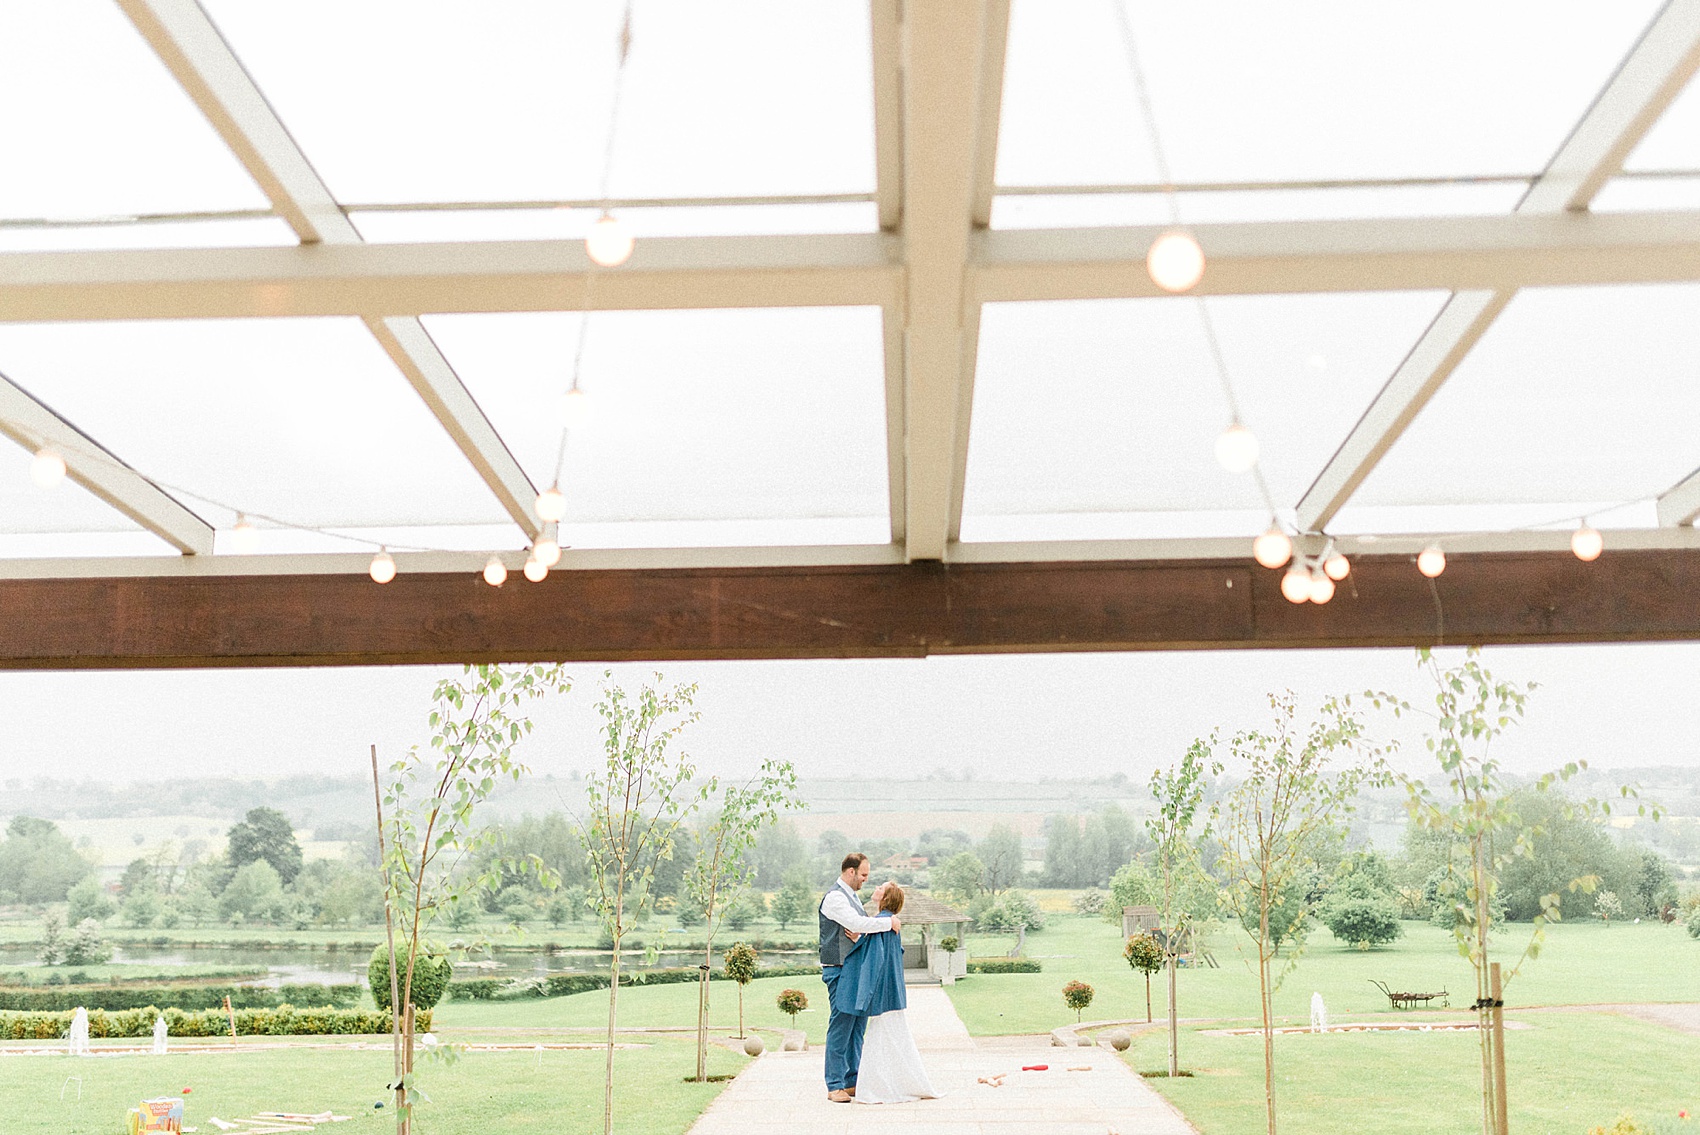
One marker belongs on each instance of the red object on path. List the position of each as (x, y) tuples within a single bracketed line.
[(1035, 1067), (185, 1091)]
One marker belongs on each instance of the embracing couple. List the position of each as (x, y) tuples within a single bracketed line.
[(870, 1055)]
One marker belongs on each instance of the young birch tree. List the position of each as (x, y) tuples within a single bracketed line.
[(1290, 803), (1178, 793), (1476, 814), (723, 867), (636, 805), (427, 837)]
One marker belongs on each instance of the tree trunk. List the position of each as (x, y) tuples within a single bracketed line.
[(740, 1010), (1501, 1108), (1174, 1024), (613, 1001), (1268, 1037), (702, 1019), (1148, 999)]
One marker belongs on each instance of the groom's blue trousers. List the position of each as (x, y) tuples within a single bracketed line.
[(843, 1037)]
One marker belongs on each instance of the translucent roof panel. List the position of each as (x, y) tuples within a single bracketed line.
[(1647, 194), (423, 225), (1674, 141), (1112, 407), (1072, 210), (1575, 397), (96, 126), (305, 420), (253, 232), (412, 100), (700, 416), (1329, 89)]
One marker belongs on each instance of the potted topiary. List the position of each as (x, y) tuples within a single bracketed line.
[(793, 1001), (950, 943), (741, 967), (1077, 995)]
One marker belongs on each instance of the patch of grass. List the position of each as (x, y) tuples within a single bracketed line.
[(484, 1092), (1566, 1073), (1583, 963), (646, 1007)]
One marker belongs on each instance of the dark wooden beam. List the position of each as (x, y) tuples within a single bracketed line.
[(835, 612)]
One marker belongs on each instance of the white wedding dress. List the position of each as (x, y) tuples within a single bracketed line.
[(891, 1070)]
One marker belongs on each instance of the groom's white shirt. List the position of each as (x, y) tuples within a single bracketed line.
[(841, 906)]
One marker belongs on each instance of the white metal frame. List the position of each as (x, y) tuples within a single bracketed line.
[(937, 83)]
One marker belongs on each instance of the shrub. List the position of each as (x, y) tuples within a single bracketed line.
[(1077, 995), (740, 963), (1624, 1124), (1089, 902), (85, 947), (1607, 906), (431, 975), (88, 899), (1011, 912), (950, 943), (1143, 953), (186, 997), (284, 1020), (792, 1002), (1363, 922), (1003, 965), (1694, 923)]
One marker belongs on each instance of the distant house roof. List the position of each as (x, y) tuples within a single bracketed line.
[(924, 910), (901, 861)]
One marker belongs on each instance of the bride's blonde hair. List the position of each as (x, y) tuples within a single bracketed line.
[(892, 901)]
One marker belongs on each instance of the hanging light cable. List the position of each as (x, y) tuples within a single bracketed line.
[(609, 243)]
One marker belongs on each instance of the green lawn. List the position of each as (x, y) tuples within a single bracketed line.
[(1583, 963), (133, 972), (484, 1092), (646, 1007), (1567, 1073)]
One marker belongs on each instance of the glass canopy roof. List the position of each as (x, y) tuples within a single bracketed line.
[(773, 373)]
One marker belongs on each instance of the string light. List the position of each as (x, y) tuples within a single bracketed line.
[(1236, 448), (1431, 561), (244, 538), (1336, 567), (48, 467), (1295, 585), (1175, 261), (575, 409), (1587, 543), (495, 572), (383, 566), (536, 570), (609, 243), (551, 505), (1272, 549), (1321, 588), (546, 551)]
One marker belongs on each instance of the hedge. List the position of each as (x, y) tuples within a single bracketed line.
[(191, 997), (284, 1020), (1003, 965), (566, 984)]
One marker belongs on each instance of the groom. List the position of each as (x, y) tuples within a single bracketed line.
[(842, 924)]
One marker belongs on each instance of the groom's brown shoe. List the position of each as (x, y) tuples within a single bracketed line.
[(838, 1095), (852, 1090)]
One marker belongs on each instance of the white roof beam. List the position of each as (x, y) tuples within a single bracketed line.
[(1649, 79), (187, 41), (1680, 505), (380, 281), (32, 425), (944, 48), (888, 111)]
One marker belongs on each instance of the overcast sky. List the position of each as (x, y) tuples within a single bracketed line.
[(1025, 716)]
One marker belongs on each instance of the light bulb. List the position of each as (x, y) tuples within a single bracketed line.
[(608, 243), (1321, 588), (495, 572), (535, 570), (244, 538), (383, 567), (1175, 261), (1295, 585), (546, 551), (1236, 448), (1272, 549), (1337, 566), (1587, 543), (1431, 561), (575, 409), (48, 468), (551, 505)]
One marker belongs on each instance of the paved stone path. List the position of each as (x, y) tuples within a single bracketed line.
[(785, 1092)]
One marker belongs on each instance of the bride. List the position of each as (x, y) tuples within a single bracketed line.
[(872, 985)]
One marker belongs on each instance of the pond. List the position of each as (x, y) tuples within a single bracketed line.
[(341, 966)]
